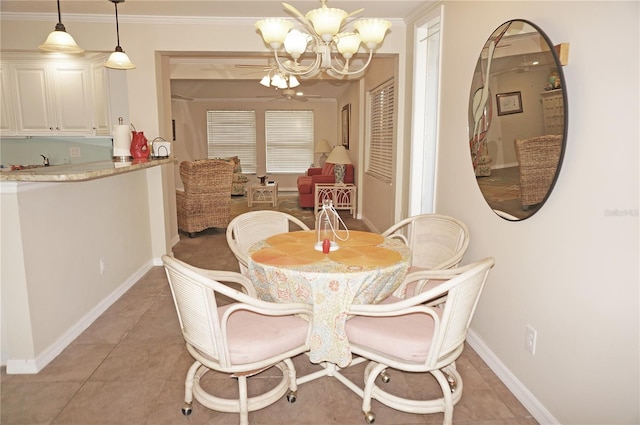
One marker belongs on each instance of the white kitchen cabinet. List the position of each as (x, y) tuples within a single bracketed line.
[(52, 98), (101, 107), (110, 96), (7, 118)]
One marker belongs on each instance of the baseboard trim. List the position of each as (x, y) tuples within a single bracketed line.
[(33, 366), (524, 396)]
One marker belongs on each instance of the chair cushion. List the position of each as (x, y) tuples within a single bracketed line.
[(254, 337), (327, 169), (237, 167), (406, 337), (240, 178)]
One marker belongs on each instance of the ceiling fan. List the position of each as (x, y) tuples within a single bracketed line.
[(181, 97), (291, 94)]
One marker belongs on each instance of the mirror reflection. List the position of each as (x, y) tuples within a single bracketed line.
[(517, 119)]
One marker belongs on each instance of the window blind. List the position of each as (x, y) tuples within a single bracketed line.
[(381, 131), (289, 141), (233, 133)]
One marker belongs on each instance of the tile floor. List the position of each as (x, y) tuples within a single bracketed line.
[(128, 367)]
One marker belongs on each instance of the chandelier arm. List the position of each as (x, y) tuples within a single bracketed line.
[(303, 19), (308, 71), (343, 73)]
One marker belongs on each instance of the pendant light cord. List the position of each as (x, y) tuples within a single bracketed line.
[(117, 26), (59, 25)]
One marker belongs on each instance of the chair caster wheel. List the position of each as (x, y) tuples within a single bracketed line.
[(186, 409), (453, 384), (385, 377), (370, 417), (291, 396)]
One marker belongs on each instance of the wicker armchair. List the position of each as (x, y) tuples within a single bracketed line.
[(538, 158), (205, 201)]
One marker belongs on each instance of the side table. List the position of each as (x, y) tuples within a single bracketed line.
[(263, 194), (343, 197)]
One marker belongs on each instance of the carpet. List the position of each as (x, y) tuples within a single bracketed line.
[(288, 203)]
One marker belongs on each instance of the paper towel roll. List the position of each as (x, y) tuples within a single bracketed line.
[(121, 140)]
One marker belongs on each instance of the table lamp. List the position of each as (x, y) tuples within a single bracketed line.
[(323, 147), (340, 158)]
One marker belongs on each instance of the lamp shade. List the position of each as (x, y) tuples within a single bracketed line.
[(326, 21), (119, 60), (339, 156), (60, 41), (323, 146), (266, 80), (372, 31), (274, 31)]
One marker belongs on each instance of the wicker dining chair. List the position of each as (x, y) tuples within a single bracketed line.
[(411, 336), (538, 158), (205, 201), (251, 227), (437, 242), (240, 339)]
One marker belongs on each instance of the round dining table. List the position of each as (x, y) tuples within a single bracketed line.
[(365, 269)]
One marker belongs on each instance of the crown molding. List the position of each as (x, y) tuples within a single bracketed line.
[(146, 19)]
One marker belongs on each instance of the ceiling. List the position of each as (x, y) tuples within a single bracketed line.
[(215, 76)]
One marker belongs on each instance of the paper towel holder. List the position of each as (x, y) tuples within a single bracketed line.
[(121, 153)]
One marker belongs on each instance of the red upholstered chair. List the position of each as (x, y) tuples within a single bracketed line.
[(307, 183)]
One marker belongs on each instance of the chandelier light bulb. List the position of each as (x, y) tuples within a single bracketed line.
[(296, 43), (348, 44)]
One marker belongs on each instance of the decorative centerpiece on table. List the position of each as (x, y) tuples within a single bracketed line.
[(327, 228)]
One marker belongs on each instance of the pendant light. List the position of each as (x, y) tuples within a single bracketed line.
[(118, 59), (60, 40)]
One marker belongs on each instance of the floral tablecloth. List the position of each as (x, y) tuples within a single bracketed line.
[(366, 269)]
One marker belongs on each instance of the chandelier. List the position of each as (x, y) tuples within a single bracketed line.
[(280, 80), (324, 39)]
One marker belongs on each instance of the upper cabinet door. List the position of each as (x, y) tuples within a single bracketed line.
[(7, 118), (52, 99), (102, 112), (32, 96), (72, 99)]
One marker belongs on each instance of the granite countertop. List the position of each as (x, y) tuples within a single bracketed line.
[(78, 172)]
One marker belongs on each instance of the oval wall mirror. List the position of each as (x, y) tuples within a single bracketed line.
[(517, 119)]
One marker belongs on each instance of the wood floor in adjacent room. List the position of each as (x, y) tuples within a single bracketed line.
[(129, 366)]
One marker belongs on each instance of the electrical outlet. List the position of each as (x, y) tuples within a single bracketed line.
[(530, 336), (103, 266), (75, 152)]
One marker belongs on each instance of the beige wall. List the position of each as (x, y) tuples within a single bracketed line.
[(571, 271), (377, 198)]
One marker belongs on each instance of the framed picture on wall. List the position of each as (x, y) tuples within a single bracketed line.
[(509, 103), (346, 123)]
